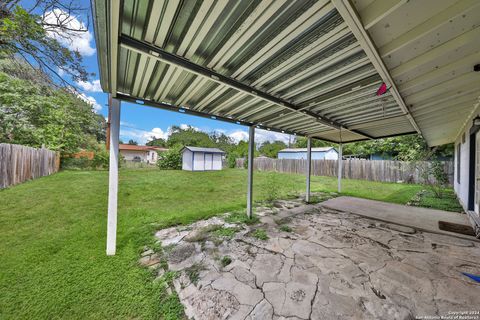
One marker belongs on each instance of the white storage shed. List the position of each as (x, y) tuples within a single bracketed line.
[(201, 159)]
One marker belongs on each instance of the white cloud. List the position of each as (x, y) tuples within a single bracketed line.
[(74, 40), (90, 86), (260, 136), (90, 100), (142, 136)]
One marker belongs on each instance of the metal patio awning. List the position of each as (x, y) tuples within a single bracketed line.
[(306, 67)]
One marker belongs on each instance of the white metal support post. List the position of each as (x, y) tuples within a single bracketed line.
[(251, 151), (114, 110), (340, 156), (309, 168)]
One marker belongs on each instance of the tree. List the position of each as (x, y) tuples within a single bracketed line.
[(189, 137), (36, 33), (133, 142), (157, 142), (271, 149), (406, 148), (36, 115), (301, 142)]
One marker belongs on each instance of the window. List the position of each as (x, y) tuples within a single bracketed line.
[(457, 154)]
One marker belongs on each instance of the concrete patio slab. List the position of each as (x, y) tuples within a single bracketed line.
[(317, 263), (419, 218)]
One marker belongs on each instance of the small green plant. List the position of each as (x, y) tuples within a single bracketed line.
[(171, 308), (225, 261), (241, 217), (260, 234), (193, 272), (225, 232), (270, 187), (285, 228)]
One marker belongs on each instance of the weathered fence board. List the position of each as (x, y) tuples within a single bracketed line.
[(19, 163), (373, 170)]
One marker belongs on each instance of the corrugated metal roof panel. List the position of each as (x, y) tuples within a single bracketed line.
[(315, 70)]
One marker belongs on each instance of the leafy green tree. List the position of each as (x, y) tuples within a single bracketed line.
[(36, 115), (189, 137), (132, 142), (301, 142), (157, 142), (32, 30), (271, 149)]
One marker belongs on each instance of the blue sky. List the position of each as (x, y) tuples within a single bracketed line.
[(140, 122)]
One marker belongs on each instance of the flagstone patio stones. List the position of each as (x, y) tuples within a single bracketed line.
[(332, 265)]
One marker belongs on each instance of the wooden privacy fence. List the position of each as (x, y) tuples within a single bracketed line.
[(19, 163), (373, 170)]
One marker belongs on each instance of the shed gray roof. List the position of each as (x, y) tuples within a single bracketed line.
[(199, 149), (320, 149)]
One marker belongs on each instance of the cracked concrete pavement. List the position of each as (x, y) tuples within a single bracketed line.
[(325, 265)]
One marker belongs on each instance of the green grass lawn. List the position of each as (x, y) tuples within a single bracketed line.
[(53, 229)]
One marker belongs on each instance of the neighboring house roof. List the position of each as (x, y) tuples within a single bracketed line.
[(132, 147), (321, 149), (199, 149)]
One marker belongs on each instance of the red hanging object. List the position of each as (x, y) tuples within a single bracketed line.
[(382, 90)]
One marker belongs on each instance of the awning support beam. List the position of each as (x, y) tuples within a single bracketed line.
[(172, 59), (251, 151), (309, 168), (114, 111)]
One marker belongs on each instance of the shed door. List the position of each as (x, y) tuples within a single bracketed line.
[(208, 161)]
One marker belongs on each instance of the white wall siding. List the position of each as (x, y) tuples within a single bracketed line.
[(198, 161), (217, 161), (331, 155), (187, 160), (461, 187)]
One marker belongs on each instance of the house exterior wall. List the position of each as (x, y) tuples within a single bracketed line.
[(149, 156), (461, 178), (129, 155), (316, 155)]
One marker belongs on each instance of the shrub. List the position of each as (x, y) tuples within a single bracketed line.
[(271, 187), (82, 163), (231, 160), (101, 159), (436, 178), (171, 159)]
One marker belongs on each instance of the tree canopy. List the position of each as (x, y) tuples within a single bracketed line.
[(271, 149), (38, 31), (33, 114)]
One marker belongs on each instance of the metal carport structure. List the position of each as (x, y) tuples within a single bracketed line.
[(305, 67)]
